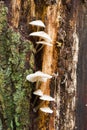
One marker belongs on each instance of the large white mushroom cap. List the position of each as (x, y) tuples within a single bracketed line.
[(38, 92), (47, 98), (46, 110), (38, 76), (43, 35), (37, 23)]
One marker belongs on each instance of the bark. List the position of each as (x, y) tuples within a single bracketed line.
[(15, 12), (49, 63), (20, 57)]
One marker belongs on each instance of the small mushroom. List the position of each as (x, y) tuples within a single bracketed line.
[(46, 110), (47, 98), (43, 35), (44, 43), (38, 92), (37, 23), (38, 76)]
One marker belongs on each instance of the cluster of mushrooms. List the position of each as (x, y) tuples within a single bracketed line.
[(40, 76)]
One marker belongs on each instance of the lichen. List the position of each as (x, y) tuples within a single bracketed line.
[(16, 61)]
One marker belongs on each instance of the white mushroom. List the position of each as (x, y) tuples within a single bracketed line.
[(43, 75), (43, 35), (47, 98), (44, 43), (38, 76), (38, 92), (46, 110), (37, 23)]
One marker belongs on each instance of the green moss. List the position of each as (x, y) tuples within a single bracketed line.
[(3, 12), (16, 61)]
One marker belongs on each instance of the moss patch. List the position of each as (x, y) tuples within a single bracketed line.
[(16, 61)]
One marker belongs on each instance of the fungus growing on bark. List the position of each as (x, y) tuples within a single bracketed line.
[(43, 35), (38, 76), (46, 110), (38, 92), (44, 43), (37, 23), (47, 98)]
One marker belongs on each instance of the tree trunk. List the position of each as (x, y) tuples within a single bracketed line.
[(19, 56)]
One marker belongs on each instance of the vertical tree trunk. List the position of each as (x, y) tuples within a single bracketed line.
[(19, 57)]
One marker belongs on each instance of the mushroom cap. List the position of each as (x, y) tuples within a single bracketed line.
[(32, 78), (46, 110), (37, 23), (44, 43), (43, 75), (42, 34), (47, 98), (38, 92), (38, 76)]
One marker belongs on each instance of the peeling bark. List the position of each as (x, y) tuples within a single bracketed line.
[(49, 63), (67, 65), (15, 12), (60, 18)]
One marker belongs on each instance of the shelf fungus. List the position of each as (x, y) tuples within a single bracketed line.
[(47, 98), (38, 76), (43, 35), (44, 43), (38, 92), (46, 110), (38, 23)]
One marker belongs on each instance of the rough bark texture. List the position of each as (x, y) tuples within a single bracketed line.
[(17, 59), (67, 65), (15, 12), (49, 63)]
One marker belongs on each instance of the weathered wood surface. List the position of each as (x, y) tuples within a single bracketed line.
[(61, 21)]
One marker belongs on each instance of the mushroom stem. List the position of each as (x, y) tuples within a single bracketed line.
[(35, 101), (38, 28), (37, 84), (36, 46), (37, 107), (40, 49)]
